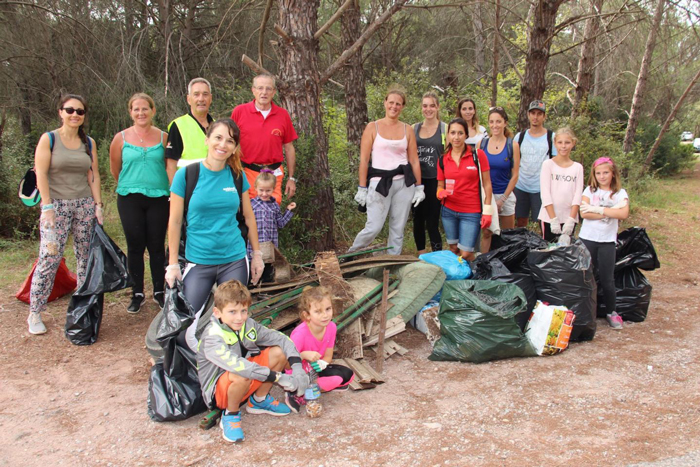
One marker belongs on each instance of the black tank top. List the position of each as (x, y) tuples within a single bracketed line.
[(429, 151)]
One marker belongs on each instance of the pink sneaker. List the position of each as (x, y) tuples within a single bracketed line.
[(614, 320)]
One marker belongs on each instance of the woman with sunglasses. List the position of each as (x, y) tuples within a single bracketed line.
[(137, 162), (504, 160), (69, 183)]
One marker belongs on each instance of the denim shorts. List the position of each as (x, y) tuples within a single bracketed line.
[(461, 228)]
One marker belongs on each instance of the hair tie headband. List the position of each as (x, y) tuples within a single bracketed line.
[(266, 171), (603, 160)]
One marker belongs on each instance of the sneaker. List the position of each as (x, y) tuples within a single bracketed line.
[(341, 388), (136, 301), (614, 320), (36, 325), (159, 298), (231, 426), (269, 406), (293, 401)]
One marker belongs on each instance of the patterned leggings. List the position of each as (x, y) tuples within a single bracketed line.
[(78, 216)]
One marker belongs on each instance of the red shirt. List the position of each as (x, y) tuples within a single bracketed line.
[(466, 196), (262, 138)]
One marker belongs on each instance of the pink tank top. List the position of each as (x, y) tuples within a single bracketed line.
[(387, 154)]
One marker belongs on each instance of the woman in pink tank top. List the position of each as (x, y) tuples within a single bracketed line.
[(390, 178)]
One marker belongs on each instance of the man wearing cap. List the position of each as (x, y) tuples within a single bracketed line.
[(186, 134), (536, 146), (267, 137)]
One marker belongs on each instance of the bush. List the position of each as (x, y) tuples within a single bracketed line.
[(670, 157)]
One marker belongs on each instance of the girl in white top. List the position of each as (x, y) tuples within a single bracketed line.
[(602, 204), (466, 109)]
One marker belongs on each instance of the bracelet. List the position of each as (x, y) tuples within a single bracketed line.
[(100, 205), (47, 207), (292, 179), (171, 266)]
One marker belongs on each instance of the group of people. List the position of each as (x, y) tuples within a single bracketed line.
[(478, 182)]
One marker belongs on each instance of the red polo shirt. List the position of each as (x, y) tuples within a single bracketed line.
[(466, 196), (262, 138)]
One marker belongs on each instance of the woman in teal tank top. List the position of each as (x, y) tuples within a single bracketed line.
[(137, 162)]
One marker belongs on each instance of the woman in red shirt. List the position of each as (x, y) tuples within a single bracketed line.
[(464, 212)]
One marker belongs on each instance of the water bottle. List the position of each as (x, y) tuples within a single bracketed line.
[(314, 407), (51, 239), (564, 240)]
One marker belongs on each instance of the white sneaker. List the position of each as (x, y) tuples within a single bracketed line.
[(36, 325)]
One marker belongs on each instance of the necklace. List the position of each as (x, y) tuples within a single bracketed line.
[(139, 136), (497, 143)]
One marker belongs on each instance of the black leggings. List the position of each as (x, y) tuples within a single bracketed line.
[(145, 222), (427, 214), (603, 256), (334, 376)]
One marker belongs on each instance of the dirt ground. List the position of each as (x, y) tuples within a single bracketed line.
[(624, 398)]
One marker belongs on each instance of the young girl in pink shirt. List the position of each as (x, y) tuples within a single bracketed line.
[(561, 186), (315, 339)]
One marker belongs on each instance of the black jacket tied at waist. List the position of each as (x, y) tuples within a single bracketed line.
[(387, 177)]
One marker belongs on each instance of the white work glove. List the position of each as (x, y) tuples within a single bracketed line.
[(587, 208), (256, 266), (418, 195), (322, 364), (554, 226), (48, 218), (569, 226), (172, 274), (361, 196), (287, 383), (99, 214), (621, 204), (300, 378)]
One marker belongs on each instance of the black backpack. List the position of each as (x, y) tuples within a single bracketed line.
[(27, 191), (521, 137), (191, 178)]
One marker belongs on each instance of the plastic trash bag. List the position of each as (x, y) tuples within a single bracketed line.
[(454, 266), (485, 268), (64, 283), (633, 296), (549, 328), (512, 236), (476, 322), (106, 272), (634, 248), (565, 275), (174, 392), (526, 283)]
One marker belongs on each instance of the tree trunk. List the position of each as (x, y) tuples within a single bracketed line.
[(479, 41), (355, 92), (637, 100), (496, 50), (667, 123), (298, 68), (533, 86), (584, 77)]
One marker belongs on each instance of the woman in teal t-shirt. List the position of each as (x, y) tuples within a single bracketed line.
[(215, 249), (137, 162)]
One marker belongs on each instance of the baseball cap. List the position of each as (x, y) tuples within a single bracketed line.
[(537, 105)]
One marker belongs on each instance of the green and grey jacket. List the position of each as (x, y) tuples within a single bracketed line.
[(222, 349)]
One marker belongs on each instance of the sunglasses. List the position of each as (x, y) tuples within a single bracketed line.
[(70, 110), (495, 108)]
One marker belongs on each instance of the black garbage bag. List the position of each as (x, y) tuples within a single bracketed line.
[(476, 322), (106, 272), (511, 236), (526, 283), (564, 276), (484, 268), (634, 248), (633, 296), (174, 392)]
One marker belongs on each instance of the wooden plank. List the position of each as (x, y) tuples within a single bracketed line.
[(268, 251), (397, 348), (284, 319), (376, 377), (349, 341), (393, 327), (361, 374), (382, 321)]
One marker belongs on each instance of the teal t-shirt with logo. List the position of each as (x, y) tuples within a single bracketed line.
[(213, 236)]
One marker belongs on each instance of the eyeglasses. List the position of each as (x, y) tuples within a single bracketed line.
[(71, 110), (264, 88)]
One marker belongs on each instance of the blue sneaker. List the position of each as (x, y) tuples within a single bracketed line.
[(231, 425), (268, 406)]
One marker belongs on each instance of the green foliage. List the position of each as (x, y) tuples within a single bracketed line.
[(670, 157), (18, 220)]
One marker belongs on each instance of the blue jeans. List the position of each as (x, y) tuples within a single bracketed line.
[(461, 228)]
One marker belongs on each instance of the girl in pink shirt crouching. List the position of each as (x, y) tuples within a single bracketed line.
[(315, 339)]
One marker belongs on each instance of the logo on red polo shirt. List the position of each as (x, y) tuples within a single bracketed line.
[(276, 132)]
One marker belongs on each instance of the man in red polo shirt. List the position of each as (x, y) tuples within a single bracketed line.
[(266, 130)]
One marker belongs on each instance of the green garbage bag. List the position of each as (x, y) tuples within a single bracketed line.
[(477, 322)]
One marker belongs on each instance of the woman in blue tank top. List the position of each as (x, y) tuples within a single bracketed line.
[(137, 162), (504, 159)]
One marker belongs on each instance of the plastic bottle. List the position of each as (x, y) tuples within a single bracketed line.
[(314, 407), (564, 240), (51, 239)]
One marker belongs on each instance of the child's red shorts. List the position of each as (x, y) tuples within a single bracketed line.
[(221, 394)]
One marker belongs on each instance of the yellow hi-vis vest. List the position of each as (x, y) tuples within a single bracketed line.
[(194, 148)]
